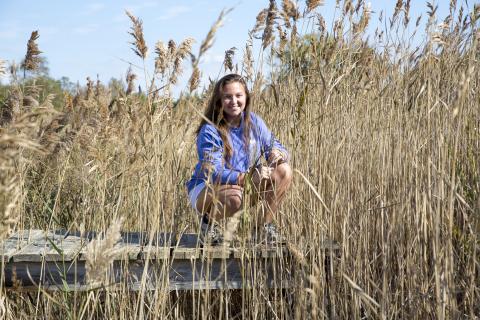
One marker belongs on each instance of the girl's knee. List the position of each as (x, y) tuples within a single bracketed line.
[(233, 201), (283, 174)]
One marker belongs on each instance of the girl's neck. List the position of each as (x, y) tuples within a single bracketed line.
[(235, 122)]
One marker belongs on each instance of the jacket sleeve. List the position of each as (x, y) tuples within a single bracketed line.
[(267, 139), (210, 153)]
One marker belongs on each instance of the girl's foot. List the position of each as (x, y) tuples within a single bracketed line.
[(272, 235), (210, 233)]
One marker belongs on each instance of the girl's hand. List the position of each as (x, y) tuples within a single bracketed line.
[(261, 173), (276, 157)]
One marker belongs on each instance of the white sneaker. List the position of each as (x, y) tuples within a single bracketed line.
[(210, 234), (271, 234)]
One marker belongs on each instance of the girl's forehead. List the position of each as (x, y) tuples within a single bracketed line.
[(233, 87)]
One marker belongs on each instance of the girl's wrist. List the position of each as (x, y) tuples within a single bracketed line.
[(241, 179)]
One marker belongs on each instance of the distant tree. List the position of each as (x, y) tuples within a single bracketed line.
[(116, 87), (67, 85)]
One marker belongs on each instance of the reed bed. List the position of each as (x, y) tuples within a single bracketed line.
[(385, 142)]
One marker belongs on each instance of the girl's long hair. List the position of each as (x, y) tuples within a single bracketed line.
[(214, 113)]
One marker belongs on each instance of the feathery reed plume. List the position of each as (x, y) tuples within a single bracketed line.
[(313, 4), (417, 22), (99, 254), (364, 20), (32, 59), (260, 21), (267, 37), (286, 19), (172, 48), (322, 26), (247, 64), (89, 88), (359, 5), (396, 11), (407, 13), (140, 47), (348, 7), (194, 80), (130, 81), (297, 254), (452, 6), (228, 61), (13, 70), (204, 47), (431, 15), (184, 49), (290, 9), (179, 55), (283, 38), (68, 100), (431, 9), (231, 228), (161, 61), (98, 87), (209, 40)]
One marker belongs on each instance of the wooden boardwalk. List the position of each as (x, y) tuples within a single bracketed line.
[(55, 260)]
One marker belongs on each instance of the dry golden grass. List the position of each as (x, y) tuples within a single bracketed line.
[(386, 149)]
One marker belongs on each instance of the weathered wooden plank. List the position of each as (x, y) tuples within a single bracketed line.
[(68, 248), (273, 251), (129, 246), (179, 275), (187, 247), (217, 252), (18, 241), (159, 247), (260, 251), (50, 247)]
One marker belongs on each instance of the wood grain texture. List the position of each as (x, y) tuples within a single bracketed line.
[(18, 241)]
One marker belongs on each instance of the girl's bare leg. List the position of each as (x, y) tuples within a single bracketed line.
[(274, 190), (225, 200), (220, 203)]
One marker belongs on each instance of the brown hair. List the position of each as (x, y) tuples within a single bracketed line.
[(214, 113)]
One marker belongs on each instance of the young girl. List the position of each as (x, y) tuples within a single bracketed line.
[(230, 144)]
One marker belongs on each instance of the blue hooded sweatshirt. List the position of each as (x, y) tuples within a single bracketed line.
[(211, 154)]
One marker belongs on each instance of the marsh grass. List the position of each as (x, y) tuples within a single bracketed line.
[(384, 137)]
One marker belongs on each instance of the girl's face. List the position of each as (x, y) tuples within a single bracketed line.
[(233, 102)]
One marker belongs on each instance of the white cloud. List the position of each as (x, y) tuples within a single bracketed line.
[(174, 12)]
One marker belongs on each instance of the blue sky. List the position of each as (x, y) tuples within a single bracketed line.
[(90, 37)]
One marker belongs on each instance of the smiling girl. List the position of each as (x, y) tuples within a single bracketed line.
[(230, 142)]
